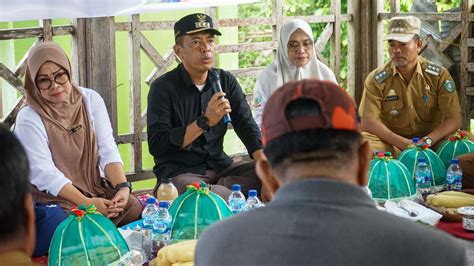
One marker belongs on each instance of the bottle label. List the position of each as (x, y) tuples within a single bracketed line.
[(162, 226)]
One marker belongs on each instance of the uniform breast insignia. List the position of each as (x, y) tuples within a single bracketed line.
[(449, 85), (433, 69), (381, 76), (392, 96)]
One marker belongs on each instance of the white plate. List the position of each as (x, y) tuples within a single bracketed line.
[(467, 210)]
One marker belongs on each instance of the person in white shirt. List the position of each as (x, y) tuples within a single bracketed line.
[(295, 60), (68, 138)]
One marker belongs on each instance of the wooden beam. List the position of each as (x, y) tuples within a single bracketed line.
[(24, 33), (323, 38), (20, 68), (10, 77), (150, 51), (470, 42), (453, 34), (230, 22), (429, 16), (470, 91), (135, 92), (140, 176), (170, 57), (244, 22), (243, 47), (246, 72), (129, 138), (10, 118), (469, 66)]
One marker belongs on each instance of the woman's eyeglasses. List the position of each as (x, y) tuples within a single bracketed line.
[(45, 83), (295, 46)]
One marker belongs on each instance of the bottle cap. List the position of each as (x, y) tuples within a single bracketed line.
[(252, 193), (422, 160), (163, 204), (151, 200), (235, 187), (455, 161), (166, 180)]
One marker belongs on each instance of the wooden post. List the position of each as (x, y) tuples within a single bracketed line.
[(95, 60), (335, 58), (394, 7), (135, 93), (354, 80), (369, 42), (79, 47), (47, 29), (465, 58), (277, 11), (379, 39)]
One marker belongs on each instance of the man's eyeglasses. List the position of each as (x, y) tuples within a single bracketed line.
[(294, 45), (45, 83)]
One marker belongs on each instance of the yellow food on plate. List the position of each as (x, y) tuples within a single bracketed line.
[(450, 201)]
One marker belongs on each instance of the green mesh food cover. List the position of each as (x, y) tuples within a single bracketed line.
[(389, 179), (194, 210), (409, 158), (457, 144), (86, 237)]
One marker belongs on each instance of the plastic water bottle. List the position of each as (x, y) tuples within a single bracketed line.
[(423, 176), (454, 176), (236, 199), (252, 201), (162, 226), (148, 215)]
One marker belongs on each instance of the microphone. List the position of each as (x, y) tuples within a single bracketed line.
[(214, 76)]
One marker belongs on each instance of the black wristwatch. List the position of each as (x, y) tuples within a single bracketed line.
[(124, 184), (203, 123)]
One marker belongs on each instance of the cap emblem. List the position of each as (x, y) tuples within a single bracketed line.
[(202, 23)]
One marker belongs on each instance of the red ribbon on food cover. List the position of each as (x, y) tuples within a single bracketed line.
[(82, 210), (199, 187), (458, 136)]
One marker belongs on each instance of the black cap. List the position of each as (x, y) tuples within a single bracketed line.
[(193, 23)]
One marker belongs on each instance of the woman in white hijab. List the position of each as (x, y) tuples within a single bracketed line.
[(295, 60)]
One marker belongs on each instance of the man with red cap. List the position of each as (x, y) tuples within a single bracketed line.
[(317, 163)]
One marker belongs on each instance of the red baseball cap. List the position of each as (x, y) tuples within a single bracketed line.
[(337, 110)]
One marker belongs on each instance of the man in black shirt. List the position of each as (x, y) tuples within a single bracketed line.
[(185, 116)]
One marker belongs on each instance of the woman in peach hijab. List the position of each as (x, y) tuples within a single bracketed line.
[(66, 132)]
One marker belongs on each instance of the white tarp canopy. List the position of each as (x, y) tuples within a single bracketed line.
[(16, 10)]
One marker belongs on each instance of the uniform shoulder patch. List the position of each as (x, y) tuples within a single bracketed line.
[(433, 69), (449, 85), (381, 76)]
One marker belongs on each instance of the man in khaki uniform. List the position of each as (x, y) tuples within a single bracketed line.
[(409, 96)]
